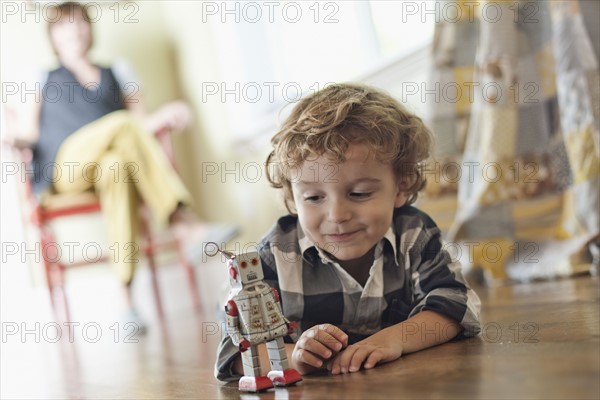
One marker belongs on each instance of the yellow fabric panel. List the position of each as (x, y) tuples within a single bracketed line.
[(531, 208), (563, 7), (498, 142), (468, 9), (463, 76), (569, 225), (498, 132), (567, 216), (535, 232), (544, 61), (582, 155), (492, 255)]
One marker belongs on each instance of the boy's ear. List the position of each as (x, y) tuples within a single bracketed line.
[(404, 184), (290, 203)]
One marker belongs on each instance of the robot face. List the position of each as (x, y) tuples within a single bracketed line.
[(249, 267)]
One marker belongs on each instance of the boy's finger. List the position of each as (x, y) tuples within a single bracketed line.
[(318, 348), (373, 359), (309, 358), (340, 363), (334, 365), (358, 358), (328, 340), (336, 332)]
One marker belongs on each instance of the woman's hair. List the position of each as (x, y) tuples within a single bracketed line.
[(328, 121), (59, 12)]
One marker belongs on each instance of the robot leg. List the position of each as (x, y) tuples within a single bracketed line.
[(280, 373), (252, 381)]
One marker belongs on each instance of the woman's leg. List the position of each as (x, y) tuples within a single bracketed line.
[(122, 163), (143, 163)]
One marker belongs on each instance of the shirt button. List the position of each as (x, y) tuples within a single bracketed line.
[(353, 285)]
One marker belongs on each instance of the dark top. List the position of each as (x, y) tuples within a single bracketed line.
[(66, 107)]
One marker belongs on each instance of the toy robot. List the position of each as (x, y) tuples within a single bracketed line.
[(254, 316)]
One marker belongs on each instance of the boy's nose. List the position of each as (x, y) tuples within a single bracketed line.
[(339, 211)]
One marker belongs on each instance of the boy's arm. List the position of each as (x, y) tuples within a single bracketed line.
[(423, 330)]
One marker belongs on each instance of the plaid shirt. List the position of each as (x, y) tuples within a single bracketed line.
[(411, 272)]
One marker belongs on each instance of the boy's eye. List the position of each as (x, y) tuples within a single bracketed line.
[(312, 198), (361, 195)]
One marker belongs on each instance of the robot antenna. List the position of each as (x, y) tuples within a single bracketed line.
[(211, 249)]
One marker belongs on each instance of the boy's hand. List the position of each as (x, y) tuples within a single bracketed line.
[(376, 349), (317, 345)]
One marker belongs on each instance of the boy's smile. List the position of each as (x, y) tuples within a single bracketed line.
[(345, 209)]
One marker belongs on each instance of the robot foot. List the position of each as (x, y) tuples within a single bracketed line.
[(255, 383), (285, 378)]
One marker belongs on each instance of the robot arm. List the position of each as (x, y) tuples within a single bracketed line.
[(232, 322), (292, 326)]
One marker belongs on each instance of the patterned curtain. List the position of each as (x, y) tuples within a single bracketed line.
[(516, 177)]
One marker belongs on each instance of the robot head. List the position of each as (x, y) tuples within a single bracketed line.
[(245, 268)]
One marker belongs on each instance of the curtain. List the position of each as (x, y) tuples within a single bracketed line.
[(513, 100)]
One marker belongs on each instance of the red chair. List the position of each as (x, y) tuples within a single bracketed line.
[(60, 206)]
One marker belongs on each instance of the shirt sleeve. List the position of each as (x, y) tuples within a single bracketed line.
[(226, 355), (439, 285), (129, 84), (41, 77), (123, 72)]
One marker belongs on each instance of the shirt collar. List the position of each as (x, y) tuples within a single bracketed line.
[(390, 235), (309, 250), (303, 240)]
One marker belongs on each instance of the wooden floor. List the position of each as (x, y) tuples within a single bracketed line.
[(540, 340)]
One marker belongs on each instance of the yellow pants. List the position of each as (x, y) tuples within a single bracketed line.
[(117, 158)]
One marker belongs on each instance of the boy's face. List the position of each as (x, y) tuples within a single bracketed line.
[(345, 209)]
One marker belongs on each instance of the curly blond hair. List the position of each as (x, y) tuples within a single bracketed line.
[(328, 121)]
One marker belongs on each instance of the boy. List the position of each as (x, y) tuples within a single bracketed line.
[(362, 271)]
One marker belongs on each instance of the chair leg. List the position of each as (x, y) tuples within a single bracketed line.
[(191, 275), (49, 281), (149, 251), (61, 279), (155, 288), (54, 271)]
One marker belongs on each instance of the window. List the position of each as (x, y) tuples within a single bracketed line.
[(270, 57), (401, 26)]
